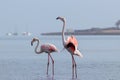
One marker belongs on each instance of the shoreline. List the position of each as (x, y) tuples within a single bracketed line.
[(80, 33), (92, 31)]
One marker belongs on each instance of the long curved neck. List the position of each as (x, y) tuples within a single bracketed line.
[(63, 31), (36, 51)]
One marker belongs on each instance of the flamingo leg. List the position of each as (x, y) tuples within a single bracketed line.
[(74, 70), (52, 64), (72, 66), (48, 64)]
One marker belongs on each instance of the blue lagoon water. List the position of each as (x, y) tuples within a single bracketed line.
[(101, 60)]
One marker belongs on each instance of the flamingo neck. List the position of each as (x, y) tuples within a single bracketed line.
[(36, 51), (63, 35)]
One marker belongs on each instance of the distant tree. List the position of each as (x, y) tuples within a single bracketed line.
[(117, 24)]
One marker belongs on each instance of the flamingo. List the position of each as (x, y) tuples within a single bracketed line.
[(47, 48), (71, 44)]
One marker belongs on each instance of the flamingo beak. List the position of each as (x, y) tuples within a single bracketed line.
[(57, 18), (31, 43)]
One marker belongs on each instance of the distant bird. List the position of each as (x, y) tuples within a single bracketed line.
[(47, 48), (71, 44)]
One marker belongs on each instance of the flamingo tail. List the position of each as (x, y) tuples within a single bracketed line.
[(78, 53)]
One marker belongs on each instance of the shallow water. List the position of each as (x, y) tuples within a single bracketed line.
[(100, 62)]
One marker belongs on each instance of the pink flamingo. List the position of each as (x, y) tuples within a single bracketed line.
[(71, 44), (47, 48)]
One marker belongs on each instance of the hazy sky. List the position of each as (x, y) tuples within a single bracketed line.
[(39, 16)]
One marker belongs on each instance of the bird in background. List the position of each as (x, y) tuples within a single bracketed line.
[(71, 44), (47, 48)]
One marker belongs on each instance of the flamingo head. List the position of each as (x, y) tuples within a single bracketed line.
[(33, 40), (61, 18)]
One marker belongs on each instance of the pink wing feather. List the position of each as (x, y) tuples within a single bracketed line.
[(48, 48), (73, 40)]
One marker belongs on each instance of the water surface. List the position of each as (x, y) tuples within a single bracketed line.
[(101, 61)]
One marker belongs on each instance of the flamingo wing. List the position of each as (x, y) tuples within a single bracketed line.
[(48, 48), (71, 47), (72, 40)]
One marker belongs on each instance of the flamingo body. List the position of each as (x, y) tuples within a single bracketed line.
[(72, 46), (47, 48)]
